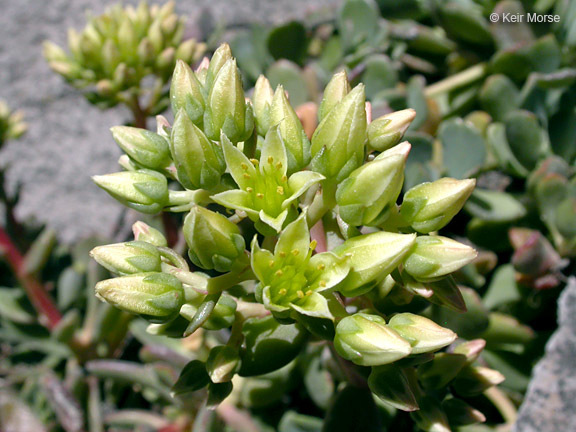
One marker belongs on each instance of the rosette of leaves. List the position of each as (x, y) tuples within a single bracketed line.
[(335, 255), (126, 56)]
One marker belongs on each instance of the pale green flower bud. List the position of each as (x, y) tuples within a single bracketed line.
[(145, 233), (226, 108), (435, 256), (372, 257), (338, 142), (368, 195), (157, 296), (223, 363), (367, 341), (219, 58), (214, 241), (144, 147), (474, 380), (387, 131), (142, 190), (53, 52), (146, 51), (430, 206), (335, 91), (199, 162), (128, 258), (188, 49), (423, 334), (262, 98), (291, 130), (166, 58)]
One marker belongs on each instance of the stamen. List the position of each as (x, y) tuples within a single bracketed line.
[(246, 175), (284, 179), (300, 294), (280, 190), (282, 291), (256, 162), (279, 273), (270, 160), (244, 166), (321, 266), (282, 254), (271, 263), (279, 165), (313, 244), (322, 283), (249, 190), (295, 252), (259, 195), (309, 292)]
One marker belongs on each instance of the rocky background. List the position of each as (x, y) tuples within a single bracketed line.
[(68, 139)]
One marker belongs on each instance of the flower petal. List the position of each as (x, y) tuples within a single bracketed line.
[(295, 237), (274, 222), (260, 262), (300, 182), (331, 270), (314, 305), (273, 158), (266, 299), (235, 199), (238, 164)]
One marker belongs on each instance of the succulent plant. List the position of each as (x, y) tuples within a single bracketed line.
[(328, 248), (126, 56)]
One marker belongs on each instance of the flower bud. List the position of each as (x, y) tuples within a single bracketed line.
[(146, 51), (214, 241), (219, 58), (474, 380), (158, 296), (435, 256), (393, 387), (187, 50), (199, 162), (387, 131), (146, 148), (372, 257), (335, 91), (430, 416), (366, 197), (430, 206), (145, 233), (262, 98), (338, 142), (291, 130), (226, 108), (186, 92), (423, 334), (223, 362), (166, 58), (142, 190), (366, 340), (53, 52), (128, 258)]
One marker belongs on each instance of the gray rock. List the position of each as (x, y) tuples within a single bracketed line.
[(550, 404), (68, 139)]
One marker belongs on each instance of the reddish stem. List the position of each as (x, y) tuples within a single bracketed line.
[(36, 292)]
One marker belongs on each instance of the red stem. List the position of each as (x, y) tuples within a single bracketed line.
[(36, 292)]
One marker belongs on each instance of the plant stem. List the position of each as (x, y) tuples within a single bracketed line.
[(323, 203), (460, 79), (503, 404), (35, 291), (140, 116)]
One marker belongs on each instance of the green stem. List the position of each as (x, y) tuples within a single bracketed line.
[(322, 204), (228, 280), (179, 201), (460, 79)]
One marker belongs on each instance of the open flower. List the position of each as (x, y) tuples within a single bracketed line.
[(291, 278), (266, 193)]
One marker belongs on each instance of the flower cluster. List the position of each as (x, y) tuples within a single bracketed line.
[(331, 241), (113, 54)]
